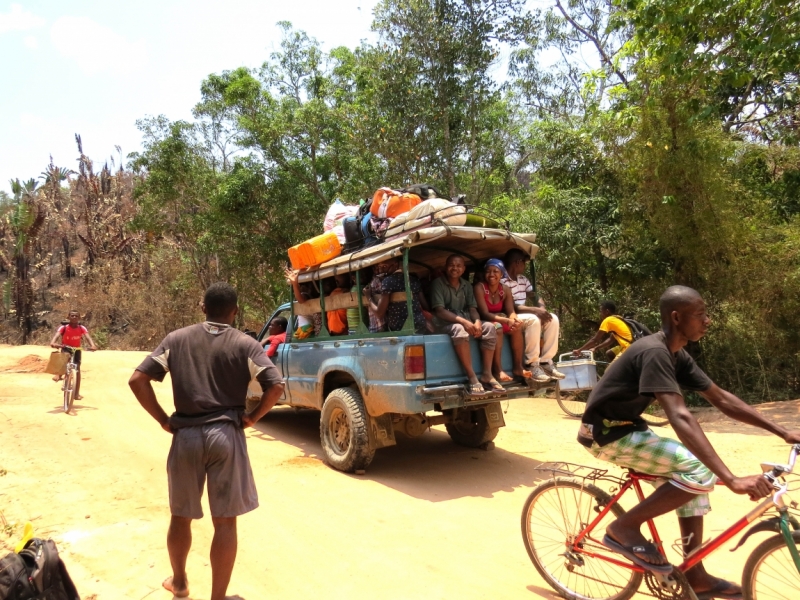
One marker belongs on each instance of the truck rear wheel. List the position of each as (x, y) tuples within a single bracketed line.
[(471, 428), (344, 431)]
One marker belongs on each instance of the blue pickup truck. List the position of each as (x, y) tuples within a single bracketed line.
[(370, 386)]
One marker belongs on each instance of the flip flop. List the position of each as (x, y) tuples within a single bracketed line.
[(629, 553), (167, 585), (493, 386), (475, 390), (718, 591)]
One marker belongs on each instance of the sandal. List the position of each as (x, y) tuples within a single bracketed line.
[(493, 386), (475, 390), (629, 552), (719, 591)]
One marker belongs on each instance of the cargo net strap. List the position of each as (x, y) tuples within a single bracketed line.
[(565, 469)]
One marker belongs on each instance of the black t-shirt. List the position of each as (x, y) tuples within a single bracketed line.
[(630, 383)]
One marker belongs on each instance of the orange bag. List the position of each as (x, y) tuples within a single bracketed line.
[(389, 203)]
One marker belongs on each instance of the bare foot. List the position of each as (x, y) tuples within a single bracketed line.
[(524, 373), (503, 377), (634, 537), (177, 592)]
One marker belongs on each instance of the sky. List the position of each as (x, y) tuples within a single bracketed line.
[(94, 68)]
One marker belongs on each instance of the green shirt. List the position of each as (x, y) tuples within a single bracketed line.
[(457, 300)]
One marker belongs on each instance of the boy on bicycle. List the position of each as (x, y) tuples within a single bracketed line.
[(657, 367), (71, 336)]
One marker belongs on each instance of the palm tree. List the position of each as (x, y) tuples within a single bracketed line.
[(20, 228)]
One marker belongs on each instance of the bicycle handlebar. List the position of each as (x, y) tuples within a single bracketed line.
[(774, 471)]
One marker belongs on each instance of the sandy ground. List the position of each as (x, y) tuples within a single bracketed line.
[(428, 520)]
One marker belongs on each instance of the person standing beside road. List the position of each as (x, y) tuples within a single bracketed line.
[(539, 327), (211, 365), (657, 367), (71, 335), (612, 329)]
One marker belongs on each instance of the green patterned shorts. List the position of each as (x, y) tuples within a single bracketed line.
[(646, 452)]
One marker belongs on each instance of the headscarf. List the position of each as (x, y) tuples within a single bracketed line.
[(496, 262)]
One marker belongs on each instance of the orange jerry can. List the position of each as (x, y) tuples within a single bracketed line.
[(315, 251), (296, 259)]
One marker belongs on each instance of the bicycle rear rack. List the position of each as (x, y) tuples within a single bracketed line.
[(565, 469)]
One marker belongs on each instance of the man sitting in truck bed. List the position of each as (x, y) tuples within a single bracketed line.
[(539, 327), (455, 313)]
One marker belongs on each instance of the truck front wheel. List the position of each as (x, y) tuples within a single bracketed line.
[(344, 431), (471, 428)]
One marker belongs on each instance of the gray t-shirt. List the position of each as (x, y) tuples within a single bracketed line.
[(630, 383), (211, 366)]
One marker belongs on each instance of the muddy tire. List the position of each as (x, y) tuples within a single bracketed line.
[(344, 431), (471, 429)]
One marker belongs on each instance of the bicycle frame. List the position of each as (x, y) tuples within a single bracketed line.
[(634, 481)]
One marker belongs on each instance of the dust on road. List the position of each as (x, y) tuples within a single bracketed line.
[(428, 519)]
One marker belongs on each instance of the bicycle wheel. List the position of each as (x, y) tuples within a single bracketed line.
[(69, 389), (573, 402), (654, 415), (770, 572), (554, 514)]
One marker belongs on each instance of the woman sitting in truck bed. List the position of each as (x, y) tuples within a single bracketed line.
[(496, 304), (396, 313)]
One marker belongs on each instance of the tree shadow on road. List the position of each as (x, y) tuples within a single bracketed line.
[(430, 467)]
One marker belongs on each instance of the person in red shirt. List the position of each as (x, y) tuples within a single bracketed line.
[(277, 335), (71, 336)]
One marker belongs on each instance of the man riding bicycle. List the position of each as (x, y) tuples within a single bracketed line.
[(71, 335), (657, 367)]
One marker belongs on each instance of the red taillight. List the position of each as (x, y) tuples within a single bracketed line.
[(414, 362)]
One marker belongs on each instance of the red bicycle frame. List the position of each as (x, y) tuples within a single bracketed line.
[(689, 561)]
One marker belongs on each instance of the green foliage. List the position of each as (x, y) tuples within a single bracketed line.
[(735, 61), (660, 146)]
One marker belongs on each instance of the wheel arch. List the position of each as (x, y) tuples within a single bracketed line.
[(336, 378)]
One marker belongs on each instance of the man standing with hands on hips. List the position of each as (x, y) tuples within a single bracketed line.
[(211, 364)]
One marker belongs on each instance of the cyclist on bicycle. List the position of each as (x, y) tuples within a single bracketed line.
[(656, 367), (71, 336), (613, 334)]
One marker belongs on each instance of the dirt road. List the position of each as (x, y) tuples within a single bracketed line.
[(428, 520)]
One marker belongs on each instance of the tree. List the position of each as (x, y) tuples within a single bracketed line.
[(734, 61), (19, 231)]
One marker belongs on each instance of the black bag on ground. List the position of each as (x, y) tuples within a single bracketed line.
[(638, 330), (36, 573)]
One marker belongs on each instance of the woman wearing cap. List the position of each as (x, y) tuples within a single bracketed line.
[(496, 304)]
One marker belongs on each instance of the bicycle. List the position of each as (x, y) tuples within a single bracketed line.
[(70, 379), (573, 401), (562, 514)]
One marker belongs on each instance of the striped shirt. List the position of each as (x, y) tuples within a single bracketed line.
[(519, 288)]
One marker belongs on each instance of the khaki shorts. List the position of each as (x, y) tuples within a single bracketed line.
[(217, 452), (459, 335)]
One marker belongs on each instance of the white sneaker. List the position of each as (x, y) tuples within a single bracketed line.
[(539, 375), (550, 370)]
